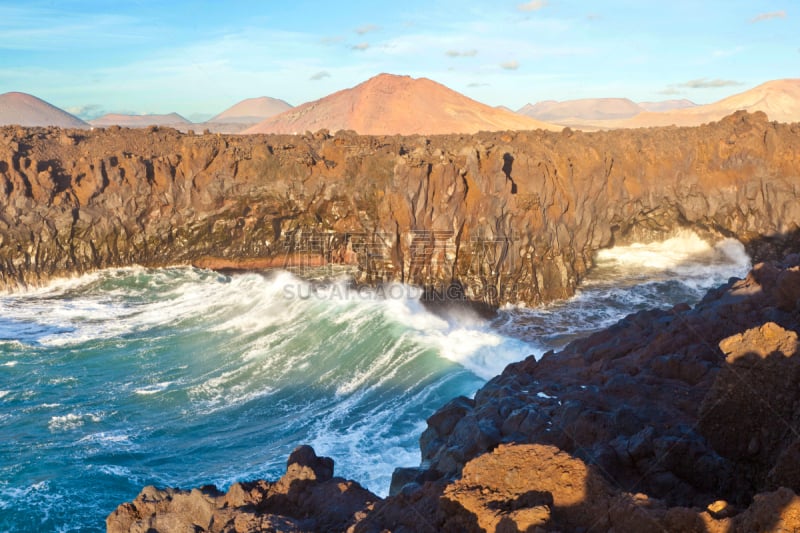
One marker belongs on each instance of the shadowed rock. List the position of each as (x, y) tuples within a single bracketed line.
[(306, 498)]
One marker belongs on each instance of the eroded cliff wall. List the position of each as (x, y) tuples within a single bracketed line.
[(511, 216)]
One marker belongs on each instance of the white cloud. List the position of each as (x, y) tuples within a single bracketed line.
[(360, 46), (87, 111), (533, 5), (767, 16), (509, 65), (728, 53), (462, 53), (33, 28), (322, 74), (366, 28), (706, 83), (327, 41)]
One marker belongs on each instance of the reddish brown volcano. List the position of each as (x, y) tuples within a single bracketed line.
[(389, 104), (27, 110)]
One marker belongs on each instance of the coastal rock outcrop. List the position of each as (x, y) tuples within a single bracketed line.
[(687, 405), (306, 498), (514, 216)]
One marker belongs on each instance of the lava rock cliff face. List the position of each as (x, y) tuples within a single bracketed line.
[(509, 216)]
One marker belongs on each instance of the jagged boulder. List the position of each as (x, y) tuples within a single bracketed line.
[(306, 499)]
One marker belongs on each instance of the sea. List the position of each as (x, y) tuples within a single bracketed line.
[(181, 377)]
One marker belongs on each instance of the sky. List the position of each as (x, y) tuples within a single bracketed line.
[(198, 58)]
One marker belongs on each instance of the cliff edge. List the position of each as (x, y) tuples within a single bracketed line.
[(510, 217)]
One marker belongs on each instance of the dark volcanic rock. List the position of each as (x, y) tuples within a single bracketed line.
[(686, 405), (511, 216), (306, 498)]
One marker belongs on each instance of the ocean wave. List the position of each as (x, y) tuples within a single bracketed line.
[(234, 371)]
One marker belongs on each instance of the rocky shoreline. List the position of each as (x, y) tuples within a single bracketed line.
[(679, 420), (510, 216), (685, 419)]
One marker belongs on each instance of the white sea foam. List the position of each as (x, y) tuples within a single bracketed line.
[(659, 255), (4, 393), (154, 388), (62, 380), (627, 279), (117, 471), (685, 254), (9, 495), (107, 439), (72, 420), (478, 348)]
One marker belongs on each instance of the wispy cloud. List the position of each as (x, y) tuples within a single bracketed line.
[(533, 5), (87, 112), (700, 83), (462, 53), (476, 84), (328, 41), (767, 16), (706, 83), (322, 74), (727, 53), (366, 28), (360, 46), (510, 65), (34, 28)]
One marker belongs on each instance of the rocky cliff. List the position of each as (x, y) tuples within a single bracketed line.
[(679, 420), (508, 216)]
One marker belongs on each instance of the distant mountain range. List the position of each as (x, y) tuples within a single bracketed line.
[(583, 109), (779, 99), (388, 104), (666, 105), (596, 113)]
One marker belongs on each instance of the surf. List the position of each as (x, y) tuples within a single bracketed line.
[(184, 377)]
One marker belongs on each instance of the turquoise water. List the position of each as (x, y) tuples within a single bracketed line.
[(183, 377)]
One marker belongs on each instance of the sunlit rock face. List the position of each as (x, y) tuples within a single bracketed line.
[(493, 217)]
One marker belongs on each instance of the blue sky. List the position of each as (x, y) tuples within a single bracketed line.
[(198, 58)]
